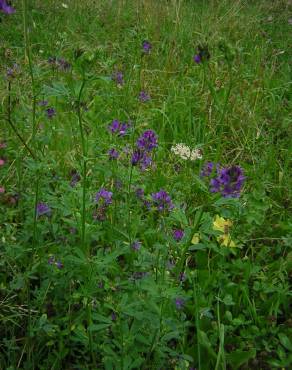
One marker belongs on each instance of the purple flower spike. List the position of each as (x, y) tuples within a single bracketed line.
[(117, 127), (136, 245), (50, 113), (197, 58), (144, 97), (43, 209), (162, 201), (208, 168), (104, 196), (59, 265), (5, 8), (113, 154), (178, 234), (179, 303), (147, 141), (146, 47), (118, 78)]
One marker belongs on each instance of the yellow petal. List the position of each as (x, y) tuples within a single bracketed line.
[(226, 241), (195, 238), (221, 224)]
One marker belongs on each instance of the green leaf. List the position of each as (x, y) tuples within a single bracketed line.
[(285, 341), (238, 358)]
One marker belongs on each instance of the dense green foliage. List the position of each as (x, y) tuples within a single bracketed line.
[(77, 290)]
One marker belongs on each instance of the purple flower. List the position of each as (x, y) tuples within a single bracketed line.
[(63, 64), (228, 182), (51, 260), (182, 276), (146, 47), (117, 127), (147, 141), (136, 245), (50, 113), (75, 178), (139, 157), (208, 168), (144, 97), (178, 234), (105, 197), (118, 78), (113, 154), (197, 58), (140, 193), (162, 201), (43, 209), (59, 265), (5, 8), (179, 303)]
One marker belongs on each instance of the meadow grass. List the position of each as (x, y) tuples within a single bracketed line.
[(132, 262)]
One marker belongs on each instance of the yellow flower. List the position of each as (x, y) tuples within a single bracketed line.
[(195, 238), (223, 225)]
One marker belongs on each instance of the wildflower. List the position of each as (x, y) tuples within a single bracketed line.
[(144, 97), (117, 127), (136, 245), (208, 168), (142, 158), (59, 265), (139, 193), (12, 72), (118, 78), (179, 303), (105, 197), (43, 209), (5, 8), (185, 152), (222, 225), (63, 64), (182, 277), (3, 145), (51, 260), (2, 190), (147, 141), (50, 113), (2, 162), (113, 154), (75, 178), (178, 234), (162, 201), (197, 58), (195, 238), (146, 47), (203, 54)]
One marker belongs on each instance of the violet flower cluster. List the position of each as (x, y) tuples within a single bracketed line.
[(162, 201), (5, 8), (225, 180), (103, 198), (119, 128), (118, 77), (144, 146), (42, 209), (146, 45)]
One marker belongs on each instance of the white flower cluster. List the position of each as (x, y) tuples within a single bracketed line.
[(186, 152)]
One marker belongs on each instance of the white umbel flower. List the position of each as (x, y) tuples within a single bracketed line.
[(185, 152)]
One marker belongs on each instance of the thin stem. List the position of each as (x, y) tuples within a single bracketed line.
[(29, 59), (84, 169)]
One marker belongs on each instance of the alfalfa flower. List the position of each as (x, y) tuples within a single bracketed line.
[(147, 141), (50, 113), (223, 225), (103, 197), (162, 201), (113, 154), (42, 209), (146, 45), (5, 8), (185, 152), (136, 245), (202, 55), (178, 234), (119, 128), (144, 97), (118, 77)]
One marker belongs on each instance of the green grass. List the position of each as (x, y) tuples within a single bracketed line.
[(96, 312)]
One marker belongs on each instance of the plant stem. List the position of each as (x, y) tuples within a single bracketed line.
[(29, 59), (84, 164)]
